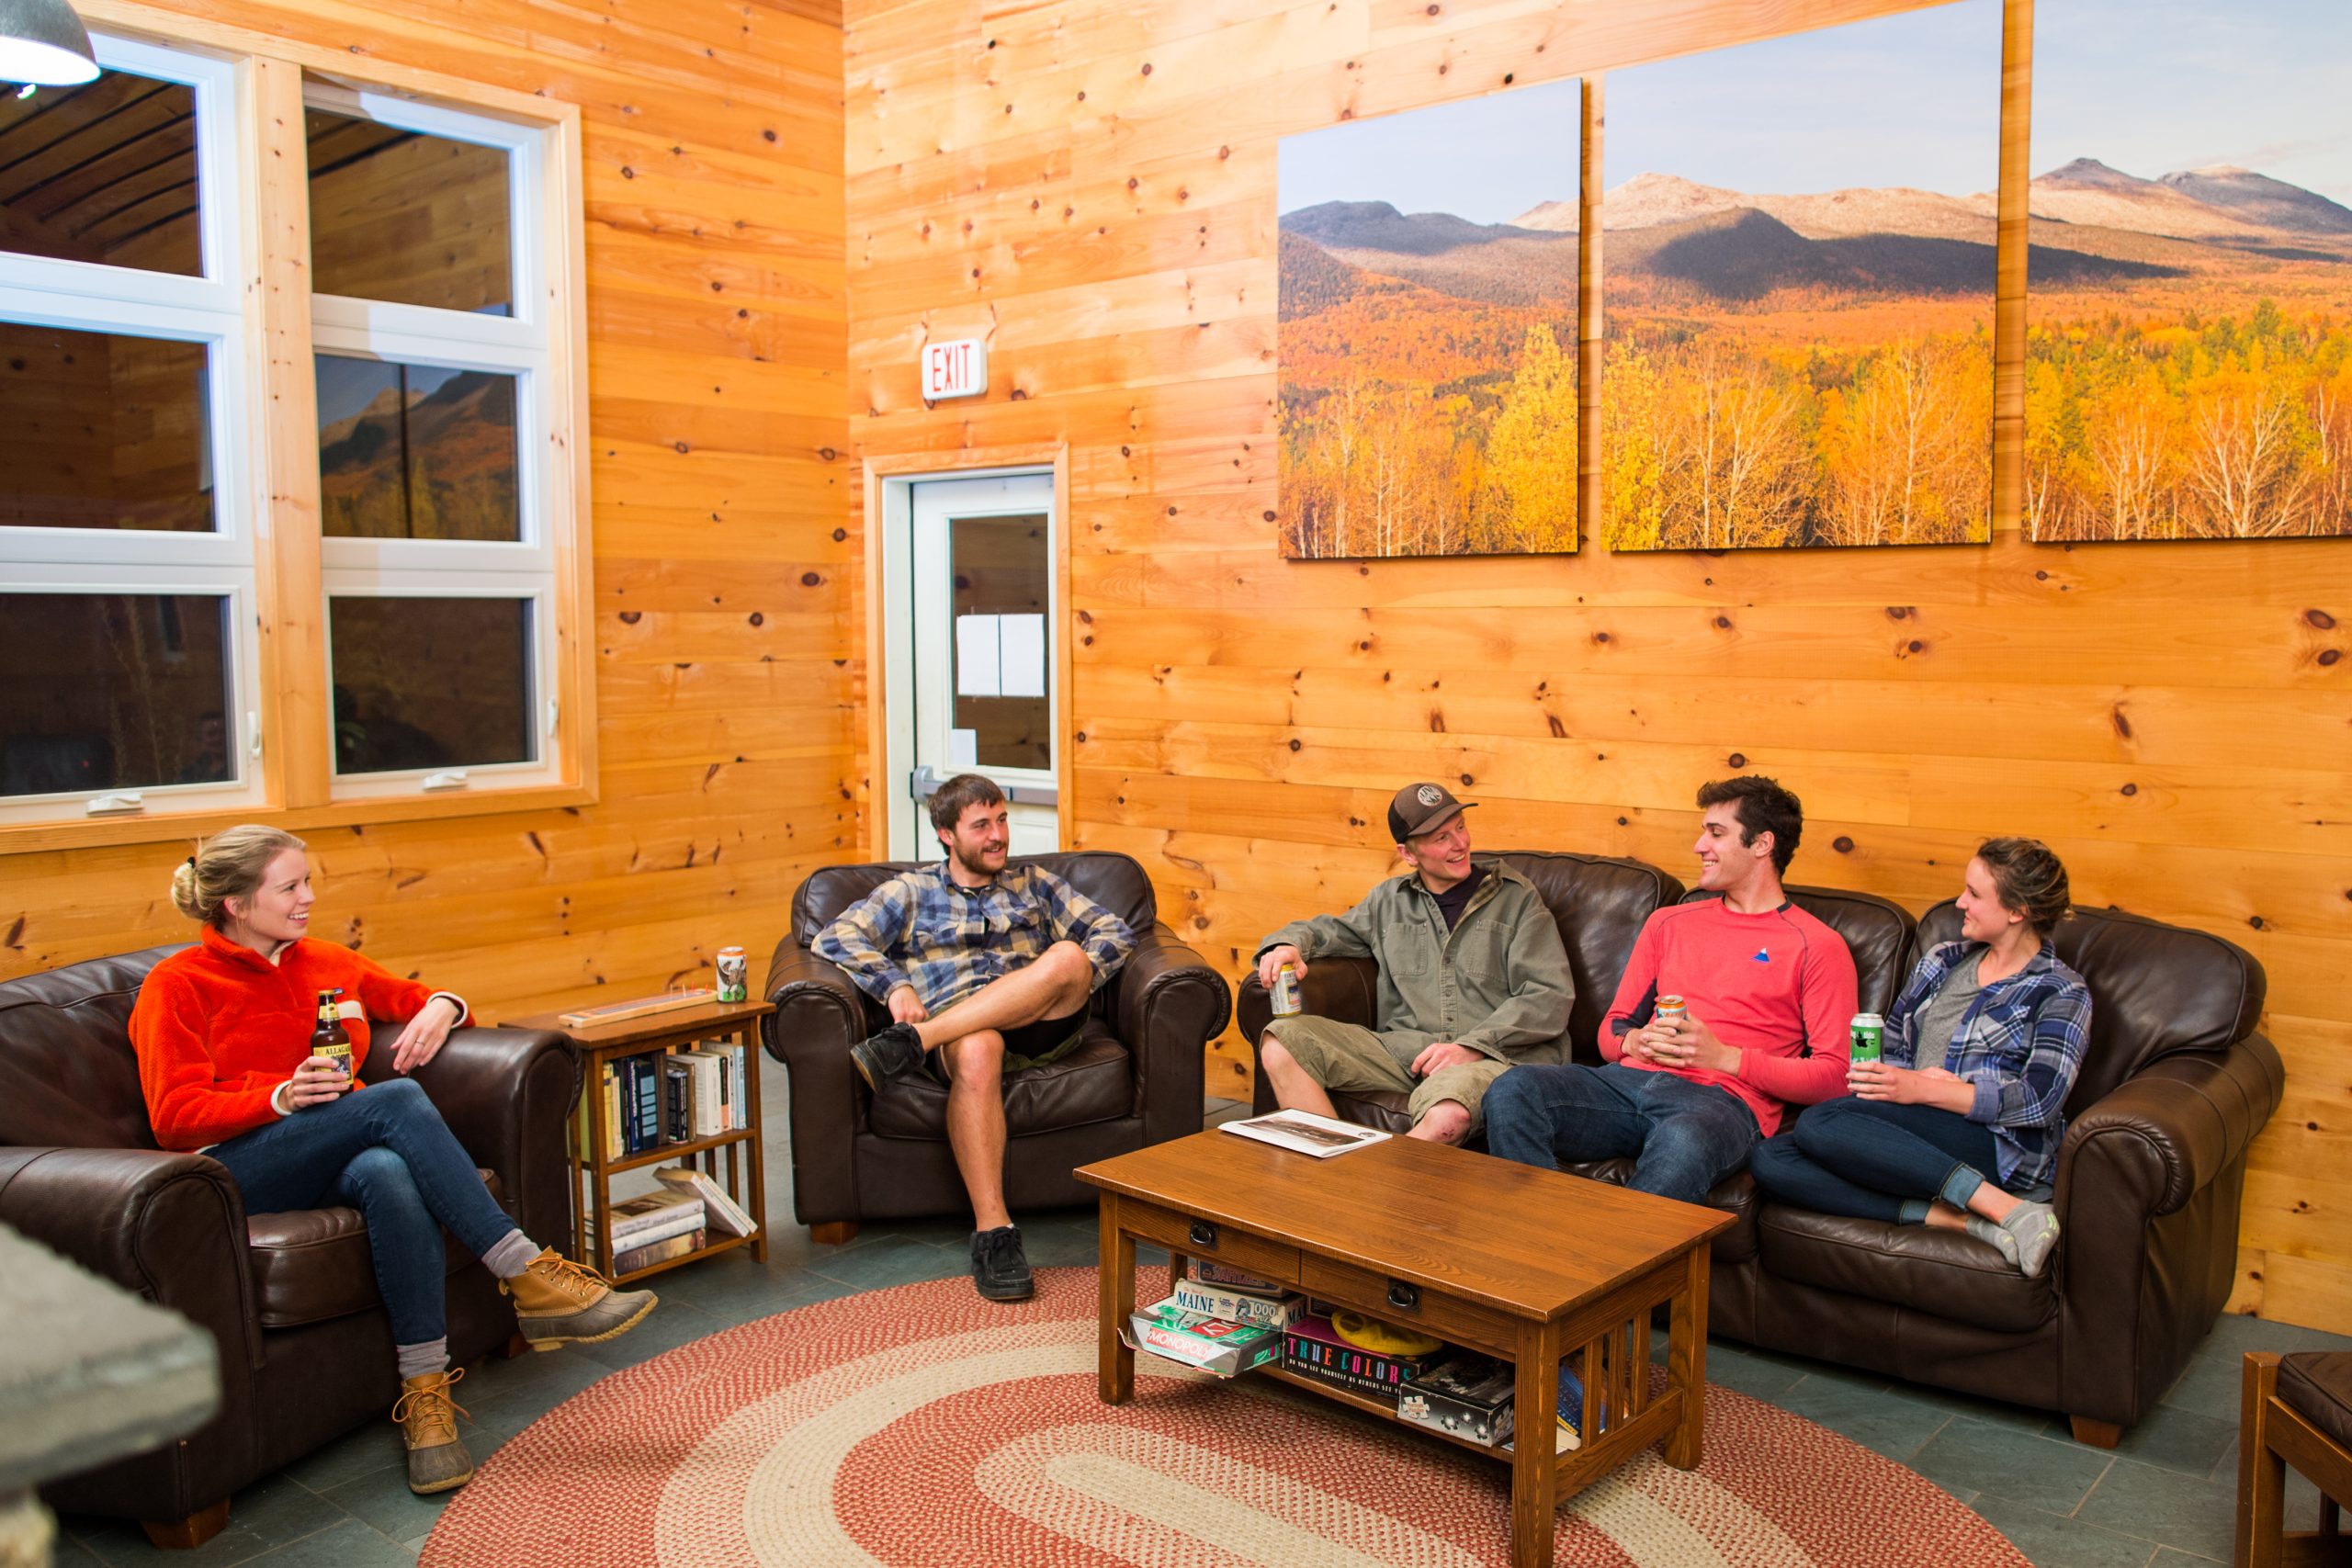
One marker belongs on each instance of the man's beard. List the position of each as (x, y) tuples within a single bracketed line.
[(972, 862)]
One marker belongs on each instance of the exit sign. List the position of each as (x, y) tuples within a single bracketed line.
[(955, 369)]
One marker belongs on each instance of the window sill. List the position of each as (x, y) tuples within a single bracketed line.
[(29, 837)]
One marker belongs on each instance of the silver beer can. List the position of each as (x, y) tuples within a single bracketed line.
[(1285, 991), (734, 975)]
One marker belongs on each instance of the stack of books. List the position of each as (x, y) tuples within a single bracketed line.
[(657, 1227)]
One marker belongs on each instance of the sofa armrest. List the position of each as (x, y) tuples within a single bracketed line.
[(1344, 988), (169, 1227), (508, 1094), (1166, 1005), (2163, 1134), (820, 1013)]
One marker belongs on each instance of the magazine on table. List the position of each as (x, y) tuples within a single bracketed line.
[(1305, 1132)]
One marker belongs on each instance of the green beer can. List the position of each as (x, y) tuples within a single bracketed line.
[(1868, 1032)]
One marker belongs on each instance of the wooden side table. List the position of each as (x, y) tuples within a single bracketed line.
[(655, 1032)]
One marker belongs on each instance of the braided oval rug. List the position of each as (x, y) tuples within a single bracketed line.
[(920, 1426)]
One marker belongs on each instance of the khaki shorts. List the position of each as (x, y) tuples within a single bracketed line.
[(1354, 1060)]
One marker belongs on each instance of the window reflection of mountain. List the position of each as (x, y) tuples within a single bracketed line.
[(368, 742)]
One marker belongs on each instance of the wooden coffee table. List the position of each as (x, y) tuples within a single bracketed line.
[(1523, 1263)]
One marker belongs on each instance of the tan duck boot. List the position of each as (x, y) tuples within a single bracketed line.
[(437, 1462), (559, 1302)]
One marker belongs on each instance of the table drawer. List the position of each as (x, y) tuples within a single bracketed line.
[(1401, 1302), (1195, 1237)]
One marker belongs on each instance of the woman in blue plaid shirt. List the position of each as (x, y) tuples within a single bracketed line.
[(1971, 1143)]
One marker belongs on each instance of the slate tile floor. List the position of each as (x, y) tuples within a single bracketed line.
[(2165, 1499)]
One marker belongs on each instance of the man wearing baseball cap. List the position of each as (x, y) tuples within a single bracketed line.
[(1473, 980)]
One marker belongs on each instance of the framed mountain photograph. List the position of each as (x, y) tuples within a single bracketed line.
[(1800, 253), (2188, 359), (1428, 337)]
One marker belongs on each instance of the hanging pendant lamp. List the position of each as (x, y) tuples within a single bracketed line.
[(44, 42)]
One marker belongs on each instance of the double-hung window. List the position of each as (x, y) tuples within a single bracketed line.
[(431, 339), (292, 518), (129, 676)]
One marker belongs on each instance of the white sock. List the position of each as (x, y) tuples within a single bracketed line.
[(512, 1256), (422, 1360)]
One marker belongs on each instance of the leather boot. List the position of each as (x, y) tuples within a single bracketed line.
[(559, 1302), (437, 1462)]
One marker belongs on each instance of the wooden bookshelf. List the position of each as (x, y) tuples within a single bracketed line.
[(732, 1158)]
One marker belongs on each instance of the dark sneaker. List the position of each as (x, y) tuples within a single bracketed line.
[(893, 1054), (1000, 1266)]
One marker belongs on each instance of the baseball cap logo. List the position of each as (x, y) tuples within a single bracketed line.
[(1429, 794)]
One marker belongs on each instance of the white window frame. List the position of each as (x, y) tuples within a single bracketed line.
[(94, 297), (520, 346)]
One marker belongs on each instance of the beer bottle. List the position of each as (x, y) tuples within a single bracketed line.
[(330, 1038)]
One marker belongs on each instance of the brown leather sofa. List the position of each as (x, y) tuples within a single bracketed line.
[(306, 1350), (1137, 1077), (2174, 1086)]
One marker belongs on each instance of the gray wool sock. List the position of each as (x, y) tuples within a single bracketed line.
[(422, 1360), (2035, 1225), (1993, 1236), (512, 1256)]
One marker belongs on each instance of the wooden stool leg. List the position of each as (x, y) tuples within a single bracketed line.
[(833, 1233), (186, 1535), (2259, 1538)]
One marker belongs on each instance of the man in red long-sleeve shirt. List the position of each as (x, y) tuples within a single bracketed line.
[(1770, 991)]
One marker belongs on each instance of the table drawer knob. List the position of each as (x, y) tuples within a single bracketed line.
[(1203, 1233), (1404, 1297)]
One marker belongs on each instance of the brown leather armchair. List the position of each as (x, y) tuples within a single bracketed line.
[(1136, 1079), (2175, 1084), (306, 1350)]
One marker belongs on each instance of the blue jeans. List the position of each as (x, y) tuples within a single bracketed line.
[(1871, 1159), (1682, 1138), (385, 1151)]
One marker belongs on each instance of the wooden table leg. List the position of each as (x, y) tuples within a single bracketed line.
[(1115, 1377), (1535, 1474), (1176, 1262), (1685, 1361)]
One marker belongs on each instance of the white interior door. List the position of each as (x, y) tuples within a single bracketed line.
[(983, 601)]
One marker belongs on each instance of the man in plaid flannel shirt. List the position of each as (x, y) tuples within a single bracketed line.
[(985, 970)]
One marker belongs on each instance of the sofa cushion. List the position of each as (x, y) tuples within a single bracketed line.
[(2318, 1384), (1735, 1195), (69, 1078), (2156, 989), (1947, 1274), (1878, 933), (311, 1265), (1094, 1083), (1599, 903)]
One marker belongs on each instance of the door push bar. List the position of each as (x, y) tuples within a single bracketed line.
[(924, 781)]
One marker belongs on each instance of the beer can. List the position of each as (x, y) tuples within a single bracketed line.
[(1671, 1009), (1285, 991), (734, 975), (1868, 1032)]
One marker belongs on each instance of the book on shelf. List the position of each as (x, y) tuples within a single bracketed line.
[(1238, 1306), (677, 1103), (741, 1079), (710, 1110), (726, 1215), (650, 1216), (645, 1103), (1305, 1132), (660, 1251)]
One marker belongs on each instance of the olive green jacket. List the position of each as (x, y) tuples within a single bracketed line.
[(1498, 983)]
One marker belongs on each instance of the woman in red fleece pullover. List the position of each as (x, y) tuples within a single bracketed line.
[(224, 1031)]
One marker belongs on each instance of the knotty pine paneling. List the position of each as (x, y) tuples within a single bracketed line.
[(717, 336), (1092, 187)]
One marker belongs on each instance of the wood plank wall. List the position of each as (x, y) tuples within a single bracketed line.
[(717, 340), (1091, 185)]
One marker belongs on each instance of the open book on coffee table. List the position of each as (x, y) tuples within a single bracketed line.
[(1305, 1132)]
